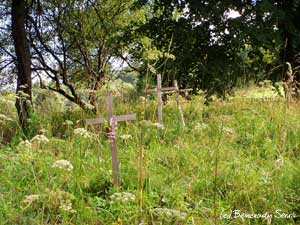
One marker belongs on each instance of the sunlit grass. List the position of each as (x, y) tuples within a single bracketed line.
[(257, 145)]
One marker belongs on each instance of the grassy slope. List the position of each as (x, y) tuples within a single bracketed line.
[(256, 144)]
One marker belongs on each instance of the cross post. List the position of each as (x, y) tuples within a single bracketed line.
[(159, 91), (178, 102), (111, 132)]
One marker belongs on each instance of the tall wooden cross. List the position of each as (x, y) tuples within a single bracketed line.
[(177, 100), (111, 131), (165, 90), (159, 91)]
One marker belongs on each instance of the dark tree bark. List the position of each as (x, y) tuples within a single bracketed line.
[(24, 82)]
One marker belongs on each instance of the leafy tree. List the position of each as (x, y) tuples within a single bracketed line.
[(74, 42)]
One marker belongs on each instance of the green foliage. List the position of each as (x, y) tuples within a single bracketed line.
[(67, 179)]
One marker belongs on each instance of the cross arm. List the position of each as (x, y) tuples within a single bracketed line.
[(125, 117), (116, 119), (184, 90), (95, 121), (150, 90)]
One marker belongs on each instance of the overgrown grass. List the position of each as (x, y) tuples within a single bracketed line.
[(171, 171)]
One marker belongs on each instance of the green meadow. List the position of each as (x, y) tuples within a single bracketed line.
[(235, 158)]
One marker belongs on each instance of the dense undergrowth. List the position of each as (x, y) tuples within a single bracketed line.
[(239, 154)]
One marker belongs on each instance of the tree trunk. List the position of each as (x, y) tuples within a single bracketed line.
[(24, 82)]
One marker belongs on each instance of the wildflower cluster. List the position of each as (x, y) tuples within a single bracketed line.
[(159, 126), (39, 139), (26, 144), (229, 131), (122, 197), (30, 199), (201, 126), (148, 123), (53, 200), (59, 200), (63, 165), (82, 132), (170, 214), (68, 123), (125, 136)]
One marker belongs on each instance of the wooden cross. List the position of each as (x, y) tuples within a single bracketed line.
[(159, 91), (111, 131), (177, 100)]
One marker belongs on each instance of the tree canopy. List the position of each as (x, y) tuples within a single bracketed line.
[(208, 45)]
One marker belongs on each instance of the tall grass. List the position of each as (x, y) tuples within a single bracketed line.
[(172, 172)]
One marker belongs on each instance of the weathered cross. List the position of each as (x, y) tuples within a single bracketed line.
[(111, 131), (177, 100), (165, 90)]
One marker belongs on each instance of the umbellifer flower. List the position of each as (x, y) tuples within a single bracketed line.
[(29, 199), (63, 164), (166, 213), (40, 139), (67, 207), (159, 126), (122, 197), (125, 136), (82, 132), (25, 143)]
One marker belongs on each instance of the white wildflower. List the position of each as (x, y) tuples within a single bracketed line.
[(159, 126), (279, 162), (29, 199), (228, 131), (25, 143), (67, 207), (166, 213), (200, 126), (88, 105), (122, 197), (63, 164), (40, 139), (82, 132), (43, 131), (142, 98), (125, 136), (68, 123)]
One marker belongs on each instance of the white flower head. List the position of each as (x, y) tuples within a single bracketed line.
[(29, 199), (142, 98), (125, 136), (43, 131), (25, 143), (63, 165), (122, 197), (82, 132), (201, 126), (169, 213), (40, 139), (229, 131), (68, 123), (67, 207), (159, 126)]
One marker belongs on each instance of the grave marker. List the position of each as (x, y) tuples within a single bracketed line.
[(159, 91), (177, 100), (111, 131), (166, 90)]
